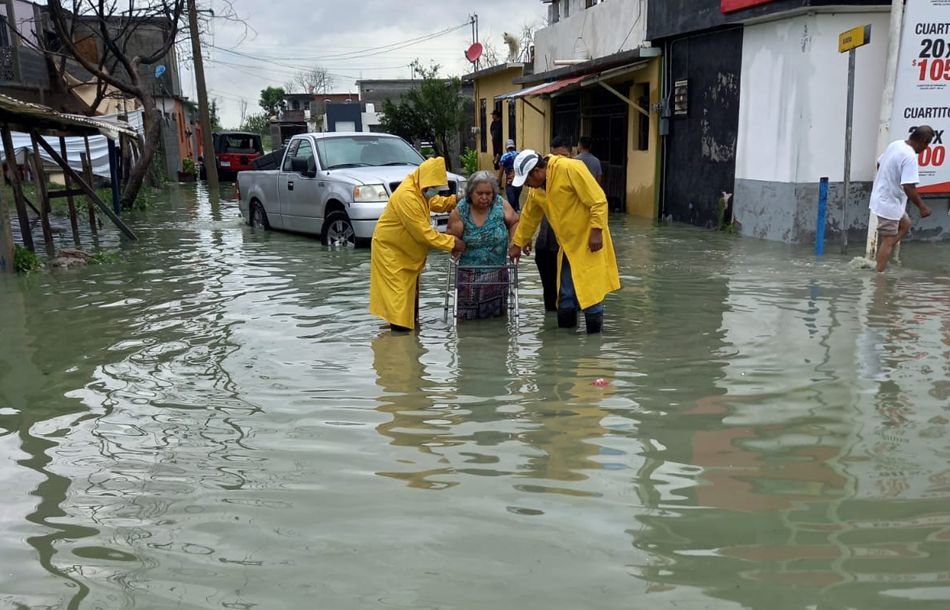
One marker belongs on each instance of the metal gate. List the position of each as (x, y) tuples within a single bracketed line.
[(700, 160)]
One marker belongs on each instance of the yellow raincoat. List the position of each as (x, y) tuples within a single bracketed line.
[(574, 204), (401, 241)]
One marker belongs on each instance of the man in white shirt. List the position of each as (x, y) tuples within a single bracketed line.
[(895, 183)]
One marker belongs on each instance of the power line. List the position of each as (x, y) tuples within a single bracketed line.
[(372, 51), (268, 73), (368, 52)]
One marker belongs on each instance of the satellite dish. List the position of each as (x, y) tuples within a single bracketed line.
[(474, 52), (159, 70)]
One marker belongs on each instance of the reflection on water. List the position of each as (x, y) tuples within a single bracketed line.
[(216, 421)]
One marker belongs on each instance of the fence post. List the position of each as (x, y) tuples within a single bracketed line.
[(822, 217)]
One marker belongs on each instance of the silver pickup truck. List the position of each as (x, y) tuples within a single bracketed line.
[(334, 185)]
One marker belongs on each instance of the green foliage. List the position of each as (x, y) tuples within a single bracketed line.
[(105, 257), (155, 176), (403, 120), (272, 100), (259, 124), (213, 116), (470, 161), (25, 261), (146, 198), (723, 217), (431, 111), (189, 166)]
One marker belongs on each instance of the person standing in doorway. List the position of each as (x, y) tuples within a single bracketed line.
[(896, 182), (564, 191), (496, 138), (560, 147), (592, 162)]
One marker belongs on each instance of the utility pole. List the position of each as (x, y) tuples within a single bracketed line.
[(210, 164), (848, 42)]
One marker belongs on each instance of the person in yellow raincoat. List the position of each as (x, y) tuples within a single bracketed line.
[(566, 193), (401, 241)]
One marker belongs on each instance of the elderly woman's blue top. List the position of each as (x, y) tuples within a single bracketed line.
[(486, 245)]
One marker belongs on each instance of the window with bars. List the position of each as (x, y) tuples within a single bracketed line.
[(483, 124), (642, 97), (4, 35)]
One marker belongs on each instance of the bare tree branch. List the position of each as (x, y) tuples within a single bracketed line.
[(127, 44)]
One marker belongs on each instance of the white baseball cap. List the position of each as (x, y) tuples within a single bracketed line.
[(524, 163)]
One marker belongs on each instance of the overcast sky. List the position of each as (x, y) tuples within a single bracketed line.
[(342, 36)]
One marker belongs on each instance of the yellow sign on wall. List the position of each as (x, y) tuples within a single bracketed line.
[(854, 38)]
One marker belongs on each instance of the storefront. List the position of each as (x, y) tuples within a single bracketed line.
[(611, 100)]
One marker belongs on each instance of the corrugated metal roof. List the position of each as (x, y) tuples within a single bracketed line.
[(26, 115), (520, 92), (560, 84)]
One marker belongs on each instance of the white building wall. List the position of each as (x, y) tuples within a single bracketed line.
[(370, 118), (794, 95), (601, 30)]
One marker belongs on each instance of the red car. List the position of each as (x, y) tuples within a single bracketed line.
[(235, 151)]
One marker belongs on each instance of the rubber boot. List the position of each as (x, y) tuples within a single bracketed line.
[(399, 329), (595, 322), (567, 318)]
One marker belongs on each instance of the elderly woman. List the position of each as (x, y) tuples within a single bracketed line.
[(401, 242), (486, 223)]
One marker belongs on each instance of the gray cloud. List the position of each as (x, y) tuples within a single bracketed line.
[(331, 34)]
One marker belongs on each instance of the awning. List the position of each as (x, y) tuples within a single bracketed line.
[(543, 88), (557, 85), (27, 115), (593, 79), (562, 85), (511, 95)]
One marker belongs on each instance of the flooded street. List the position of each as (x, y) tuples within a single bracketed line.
[(214, 420)]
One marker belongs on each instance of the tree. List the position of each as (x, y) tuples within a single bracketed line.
[(403, 120), (243, 109), (431, 111), (490, 56), (314, 80), (272, 100), (215, 119), (123, 59), (257, 123)]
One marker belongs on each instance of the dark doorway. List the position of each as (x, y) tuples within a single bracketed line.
[(605, 121), (700, 160), (599, 114), (566, 118)]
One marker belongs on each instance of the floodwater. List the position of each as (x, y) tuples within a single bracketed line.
[(215, 421)]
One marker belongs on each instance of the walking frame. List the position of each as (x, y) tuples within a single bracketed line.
[(452, 287)]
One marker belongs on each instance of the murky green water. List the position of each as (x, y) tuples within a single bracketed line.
[(215, 421)]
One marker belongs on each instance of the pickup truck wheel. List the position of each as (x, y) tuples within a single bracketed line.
[(258, 217), (338, 230)]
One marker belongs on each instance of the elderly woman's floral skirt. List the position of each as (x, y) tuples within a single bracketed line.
[(482, 293)]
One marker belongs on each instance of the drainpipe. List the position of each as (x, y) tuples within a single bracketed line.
[(887, 109)]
